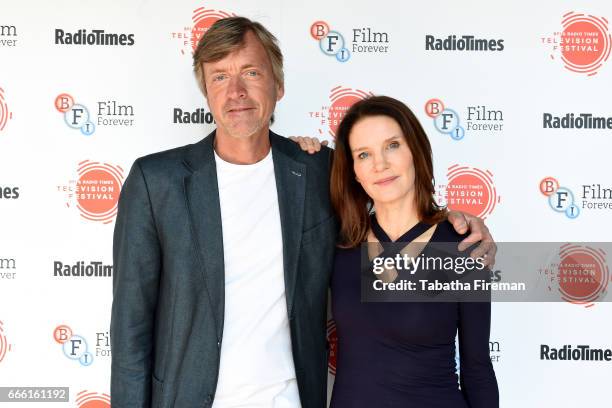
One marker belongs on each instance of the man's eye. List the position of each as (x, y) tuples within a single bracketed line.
[(362, 155), (252, 73), (219, 77)]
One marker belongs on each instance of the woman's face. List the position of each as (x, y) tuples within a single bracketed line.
[(383, 162)]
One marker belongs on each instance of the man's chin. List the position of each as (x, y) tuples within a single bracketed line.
[(245, 132)]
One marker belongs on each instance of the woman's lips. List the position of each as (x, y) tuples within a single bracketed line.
[(386, 181)]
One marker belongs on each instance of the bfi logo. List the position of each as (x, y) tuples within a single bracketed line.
[(331, 42), (365, 40), (445, 120), (76, 115), (560, 199), (108, 113), (480, 119), (74, 346)]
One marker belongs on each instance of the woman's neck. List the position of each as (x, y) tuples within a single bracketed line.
[(396, 218)]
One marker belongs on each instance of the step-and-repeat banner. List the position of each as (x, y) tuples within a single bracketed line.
[(513, 96)]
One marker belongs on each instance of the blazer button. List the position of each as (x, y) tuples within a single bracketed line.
[(218, 344), (207, 400)]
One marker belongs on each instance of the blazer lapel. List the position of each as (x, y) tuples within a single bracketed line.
[(202, 195), (290, 187)]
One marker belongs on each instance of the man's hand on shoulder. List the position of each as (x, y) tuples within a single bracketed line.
[(463, 223), (309, 144)]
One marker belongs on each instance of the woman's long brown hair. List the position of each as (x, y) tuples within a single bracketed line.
[(351, 202)]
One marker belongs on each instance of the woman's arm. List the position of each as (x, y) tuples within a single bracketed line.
[(478, 382)]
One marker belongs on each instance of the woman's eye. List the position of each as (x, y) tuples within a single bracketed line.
[(394, 145), (362, 155)]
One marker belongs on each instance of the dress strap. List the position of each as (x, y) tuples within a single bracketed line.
[(408, 236)]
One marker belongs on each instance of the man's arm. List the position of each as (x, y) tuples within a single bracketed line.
[(137, 265), (463, 222)]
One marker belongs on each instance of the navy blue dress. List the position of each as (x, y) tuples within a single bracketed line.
[(402, 354)]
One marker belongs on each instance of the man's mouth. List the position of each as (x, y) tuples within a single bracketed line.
[(240, 109)]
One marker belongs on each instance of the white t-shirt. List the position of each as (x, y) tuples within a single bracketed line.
[(257, 367)]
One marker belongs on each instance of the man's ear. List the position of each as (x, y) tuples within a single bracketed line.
[(280, 92)]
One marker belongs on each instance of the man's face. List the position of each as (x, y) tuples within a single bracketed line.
[(241, 90)]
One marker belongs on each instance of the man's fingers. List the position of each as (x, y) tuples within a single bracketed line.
[(486, 250), (459, 222), (482, 250), (490, 261), (309, 144), (303, 142), (314, 143), (478, 233), (470, 240)]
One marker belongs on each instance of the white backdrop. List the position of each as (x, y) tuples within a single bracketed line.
[(43, 159)]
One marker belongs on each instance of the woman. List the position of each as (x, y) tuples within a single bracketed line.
[(399, 354)]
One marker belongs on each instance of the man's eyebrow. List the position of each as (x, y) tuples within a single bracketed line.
[(242, 68)]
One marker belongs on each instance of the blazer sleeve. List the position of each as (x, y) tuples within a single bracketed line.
[(136, 275), (478, 382)]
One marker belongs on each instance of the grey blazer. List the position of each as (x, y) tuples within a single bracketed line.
[(168, 283)]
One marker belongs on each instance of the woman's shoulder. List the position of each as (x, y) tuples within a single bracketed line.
[(445, 232), (445, 235)]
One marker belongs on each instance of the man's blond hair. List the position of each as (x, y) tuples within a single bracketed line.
[(226, 36)]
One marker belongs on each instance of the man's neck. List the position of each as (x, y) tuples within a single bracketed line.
[(246, 150)]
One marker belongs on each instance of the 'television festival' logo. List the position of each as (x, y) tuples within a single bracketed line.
[(563, 200), (5, 346), (579, 273), (92, 37), (583, 44), (202, 20), (469, 190), (5, 113), (95, 192), (8, 35), (90, 399), (109, 114), (479, 118), (462, 43), (330, 115), (363, 40)]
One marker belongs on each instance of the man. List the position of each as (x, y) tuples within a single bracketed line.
[(223, 250)]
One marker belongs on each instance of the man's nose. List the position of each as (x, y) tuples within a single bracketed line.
[(236, 88)]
